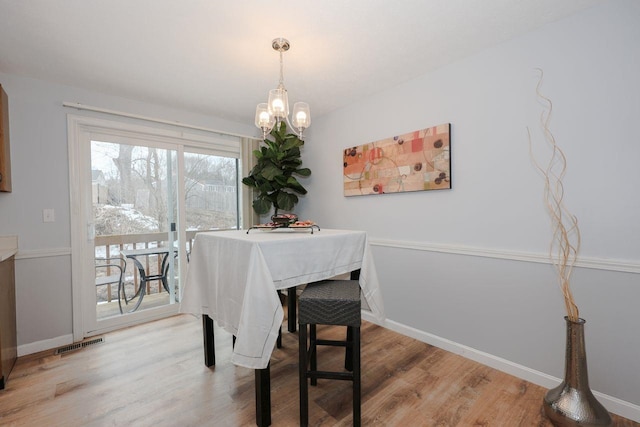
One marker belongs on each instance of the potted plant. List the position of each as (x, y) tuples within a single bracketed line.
[(272, 178)]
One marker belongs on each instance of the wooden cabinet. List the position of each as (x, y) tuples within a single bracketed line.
[(8, 342), (5, 155)]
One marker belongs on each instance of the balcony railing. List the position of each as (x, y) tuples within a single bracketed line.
[(111, 247)]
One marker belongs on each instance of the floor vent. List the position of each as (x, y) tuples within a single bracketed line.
[(79, 345)]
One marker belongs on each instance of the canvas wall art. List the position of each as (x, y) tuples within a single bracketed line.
[(416, 161)]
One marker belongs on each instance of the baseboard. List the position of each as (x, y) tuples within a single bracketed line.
[(613, 404), (35, 347)]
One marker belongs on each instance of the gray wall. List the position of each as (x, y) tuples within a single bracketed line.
[(468, 264), (460, 266), (40, 175)]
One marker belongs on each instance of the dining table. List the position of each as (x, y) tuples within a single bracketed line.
[(234, 278)]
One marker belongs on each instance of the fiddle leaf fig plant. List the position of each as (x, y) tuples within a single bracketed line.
[(272, 178)]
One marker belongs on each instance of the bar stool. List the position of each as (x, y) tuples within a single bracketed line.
[(329, 302)]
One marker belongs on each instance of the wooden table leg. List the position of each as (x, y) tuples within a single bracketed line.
[(291, 309), (209, 347), (262, 381), (263, 376), (263, 396)]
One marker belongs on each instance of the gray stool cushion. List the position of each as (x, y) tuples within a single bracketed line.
[(330, 302)]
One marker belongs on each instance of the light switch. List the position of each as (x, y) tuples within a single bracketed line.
[(48, 215)]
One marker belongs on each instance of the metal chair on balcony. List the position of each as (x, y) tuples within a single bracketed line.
[(145, 273), (110, 271)]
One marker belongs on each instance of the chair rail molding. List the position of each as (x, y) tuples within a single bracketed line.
[(42, 253), (627, 266)]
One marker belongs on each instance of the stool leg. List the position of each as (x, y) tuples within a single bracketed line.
[(356, 377), (313, 350), (348, 355), (302, 371)]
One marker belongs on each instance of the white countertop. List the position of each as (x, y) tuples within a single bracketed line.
[(8, 247)]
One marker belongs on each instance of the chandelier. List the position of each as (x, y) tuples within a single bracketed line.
[(277, 109)]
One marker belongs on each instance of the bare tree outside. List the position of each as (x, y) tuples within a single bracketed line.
[(130, 189), (123, 163)]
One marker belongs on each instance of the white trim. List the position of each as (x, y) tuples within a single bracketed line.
[(594, 263), (42, 253), (151, 119), (38, 346), (613, 404), (99, 127), (586, 262), (78, 234)]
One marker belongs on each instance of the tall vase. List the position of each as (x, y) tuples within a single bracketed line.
[(572, 403)]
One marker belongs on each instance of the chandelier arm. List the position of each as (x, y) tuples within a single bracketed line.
[(295, 130), (288, 122)]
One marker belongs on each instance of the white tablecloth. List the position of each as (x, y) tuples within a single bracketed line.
[(233, 277)]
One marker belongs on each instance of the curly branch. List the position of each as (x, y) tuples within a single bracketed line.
[(565, 242)]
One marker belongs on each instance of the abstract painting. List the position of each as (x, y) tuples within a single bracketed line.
[(415, 161)]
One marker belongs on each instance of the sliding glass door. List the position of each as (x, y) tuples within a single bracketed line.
[(134, 215), (139, 196)]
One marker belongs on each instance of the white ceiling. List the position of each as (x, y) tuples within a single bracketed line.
[(215, 57)]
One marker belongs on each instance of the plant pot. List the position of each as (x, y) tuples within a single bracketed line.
[(572, 403)]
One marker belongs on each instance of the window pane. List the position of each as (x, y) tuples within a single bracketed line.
[(211, 192)]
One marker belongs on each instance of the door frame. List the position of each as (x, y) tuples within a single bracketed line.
[(82, 261)]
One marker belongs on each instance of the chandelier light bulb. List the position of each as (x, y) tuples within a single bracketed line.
[(264, 120), (277, 106), (278, 103), (301, 116)]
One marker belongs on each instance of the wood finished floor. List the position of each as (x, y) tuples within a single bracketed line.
[(154, 375)]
